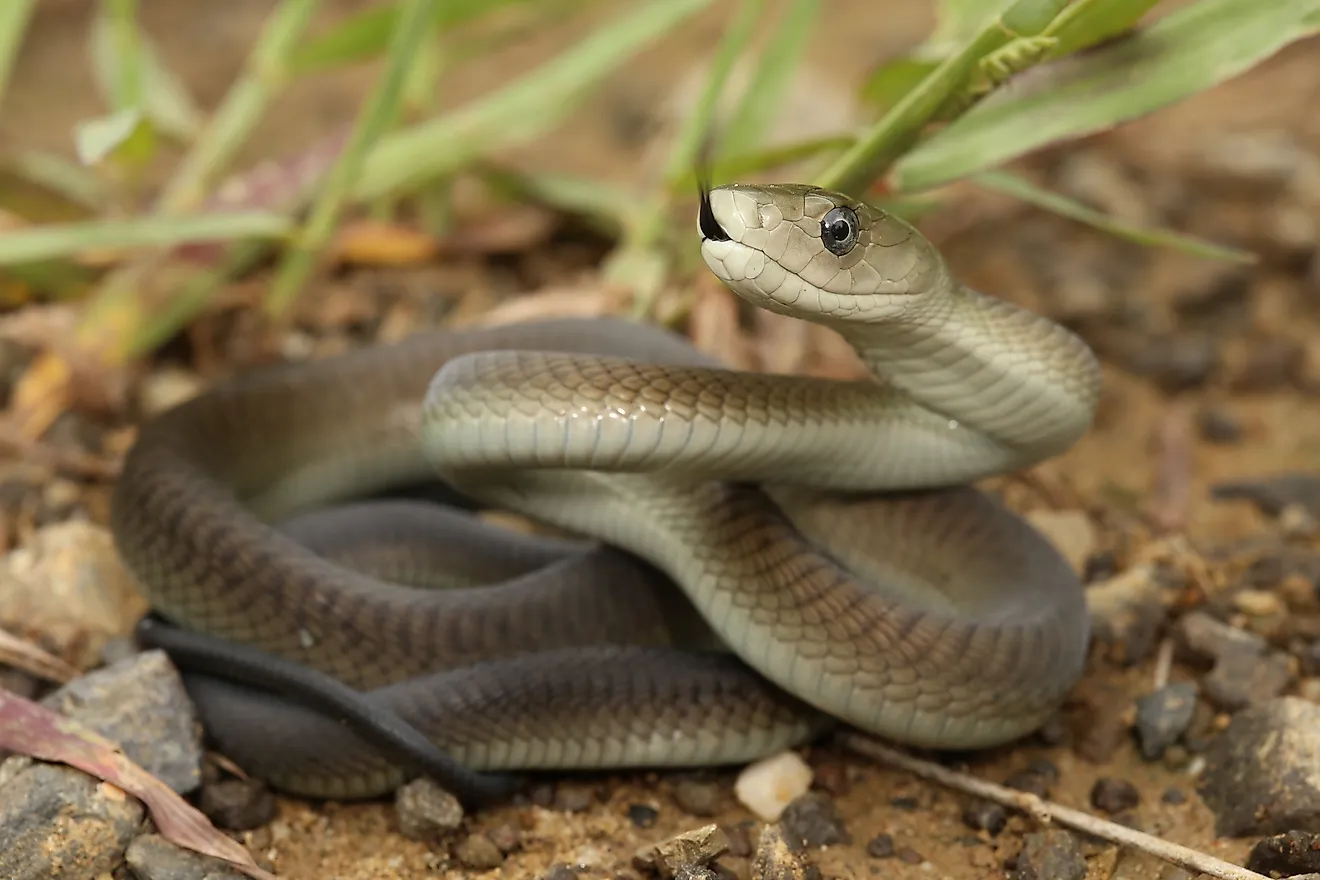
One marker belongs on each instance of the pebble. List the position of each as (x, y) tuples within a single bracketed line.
[(237, 804), (572, 799), (689, 849), (766, 787), (1036, 779), (775, 860), (1049, 855), (1176, 363), (642, 816), (1246, 670), (810, 821), (1163, 716), (58, 823), (1114, 795), (478, 852), (1272, 494), (67, 589), (140, 704), (1173, 796), (697, 798), (985, 816), (1218, 427), (1260, 603), (559, 872), (1260, 773), (910, 856), (507, 837), (425, 811), (881, 846), (152, 857), (1070, 531), (1293, 852)]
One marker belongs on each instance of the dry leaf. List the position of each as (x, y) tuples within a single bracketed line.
[(511, 230), (31, 729), (28, 657), (782, 342), (554, 302), (713, 326), (375, 243), (41, 395), (93, 385)]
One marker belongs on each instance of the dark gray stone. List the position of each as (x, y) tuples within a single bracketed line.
[(152, 857)]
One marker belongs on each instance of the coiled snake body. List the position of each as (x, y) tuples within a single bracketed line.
[(830, 560)]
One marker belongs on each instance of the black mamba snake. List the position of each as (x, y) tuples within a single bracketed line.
[(831, 562)]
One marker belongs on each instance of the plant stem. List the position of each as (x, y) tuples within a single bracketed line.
[(379, 112)]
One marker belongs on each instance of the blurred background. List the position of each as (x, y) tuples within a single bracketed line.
[(190, 189)]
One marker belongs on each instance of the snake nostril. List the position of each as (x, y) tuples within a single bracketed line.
[(709, 226)]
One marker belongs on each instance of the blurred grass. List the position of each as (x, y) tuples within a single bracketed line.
[(995, 81)]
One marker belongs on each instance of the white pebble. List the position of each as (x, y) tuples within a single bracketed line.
[(768, 786)]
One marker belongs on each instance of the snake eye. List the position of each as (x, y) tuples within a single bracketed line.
[(838, 231)]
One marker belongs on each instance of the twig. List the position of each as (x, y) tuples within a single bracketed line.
[(26, 656), (1045, 811), (1163, 663)]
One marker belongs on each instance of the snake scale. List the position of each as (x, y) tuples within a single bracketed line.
[(748, 558)]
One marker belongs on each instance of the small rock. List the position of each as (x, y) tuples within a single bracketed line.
[(985, 816), (811, 821), (68, 590), (559, 872), (140, 704), (642, 816), (571, 799), (1241, 679), (1294, 852), (478, 852), (1296, 522), (1163, 716), (152, 857), (909, 856), (775, 860), (1173, 796), (1258, 603), (1036, 779), (1071, 531), (1114, 795), (697, 798), (507, 837), (58, 823), (237, 804), (740, 839), (1217, 426), (1050, 855), (881, 846), (687, 850), (425, 811), (1261, 773), (1176, 363), (1268, 367), (832, 777), (1272, 494), (767, 786)]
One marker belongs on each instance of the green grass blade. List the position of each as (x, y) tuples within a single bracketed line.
[(519, 111), (1188, 51), (14, 18), (898, 129), (66, 239), (378, 114), (765, 91), (1020, 188), (142, 80), (366, 35)]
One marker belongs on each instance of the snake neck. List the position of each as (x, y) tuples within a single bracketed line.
[(987, 365)]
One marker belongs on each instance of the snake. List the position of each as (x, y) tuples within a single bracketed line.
[(726, 562)]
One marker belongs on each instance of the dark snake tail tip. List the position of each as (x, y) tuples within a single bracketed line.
[(710, 227)]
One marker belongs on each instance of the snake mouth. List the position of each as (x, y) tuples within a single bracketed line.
[(710, 227)]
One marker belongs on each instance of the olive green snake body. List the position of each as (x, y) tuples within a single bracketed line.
[(761, 555)]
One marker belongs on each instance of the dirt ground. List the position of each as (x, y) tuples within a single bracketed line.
[(1185, 341)]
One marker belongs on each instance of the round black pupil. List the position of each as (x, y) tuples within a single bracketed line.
[(839, 229)]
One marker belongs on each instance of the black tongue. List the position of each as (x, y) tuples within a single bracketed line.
[(710, 227)]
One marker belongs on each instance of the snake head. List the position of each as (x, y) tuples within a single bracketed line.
[(805, 251)]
